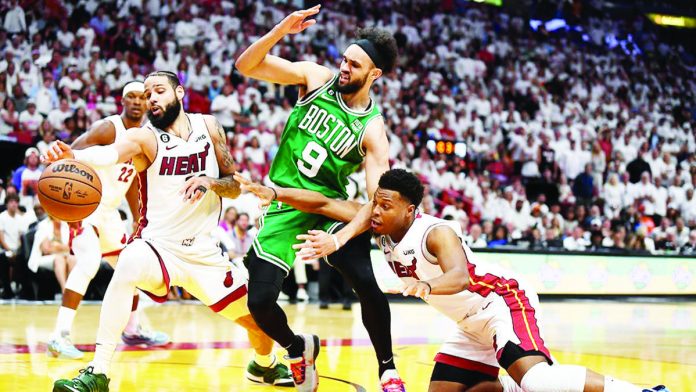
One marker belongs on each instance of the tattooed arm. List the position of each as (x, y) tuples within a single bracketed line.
[(226, 185)]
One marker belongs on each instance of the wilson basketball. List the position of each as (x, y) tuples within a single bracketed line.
[(69, 190)]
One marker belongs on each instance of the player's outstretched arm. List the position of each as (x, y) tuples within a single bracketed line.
[(226, 185), (443, 243), (255, 62), (135, 143), (302, 199), (376, 147)]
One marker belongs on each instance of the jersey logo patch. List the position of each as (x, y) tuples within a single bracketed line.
[(171, 147), (356, 125), (404, 271), (199, 138), (228, 279), (165, 138)]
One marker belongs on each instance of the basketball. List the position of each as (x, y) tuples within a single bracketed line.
[(69, 190)]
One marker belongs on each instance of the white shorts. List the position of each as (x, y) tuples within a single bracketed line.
[(110, 229), (507, 317), (219, 286)]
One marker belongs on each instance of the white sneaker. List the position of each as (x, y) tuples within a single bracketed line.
[(302, 295), (63, 348), (304, 370)]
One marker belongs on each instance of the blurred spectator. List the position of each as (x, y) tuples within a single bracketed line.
[(30, 119), (9, 118), (15, 20), (500, 237), (576, 241), (12, 225), (51, 249), (475, 238), (31, 174)]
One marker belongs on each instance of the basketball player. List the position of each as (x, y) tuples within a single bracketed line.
[(103, 234), (493, 309), (333, 128), (184, 169)]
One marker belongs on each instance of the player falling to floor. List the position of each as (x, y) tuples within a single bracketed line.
[(493, 308), (103, 234), (332, 129), (184, 168)]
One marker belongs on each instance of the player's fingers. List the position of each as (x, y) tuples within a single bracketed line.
[(308, 23)]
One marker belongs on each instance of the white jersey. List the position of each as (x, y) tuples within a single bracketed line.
[(187, 229), (410, 259), (116, 179)]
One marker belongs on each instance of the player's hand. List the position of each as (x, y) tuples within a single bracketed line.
[(194, 188), (417, 288), (264, 193), (295, 22), (316, 244), (57, 151)]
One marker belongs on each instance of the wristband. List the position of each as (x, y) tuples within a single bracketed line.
[(335, 239), (275, 194)]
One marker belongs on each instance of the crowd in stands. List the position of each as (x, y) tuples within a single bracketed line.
[(571, 142)]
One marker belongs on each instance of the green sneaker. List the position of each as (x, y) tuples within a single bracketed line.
[(277, 375), (85, 382)]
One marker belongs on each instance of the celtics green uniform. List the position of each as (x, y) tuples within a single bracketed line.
[(320, 147)]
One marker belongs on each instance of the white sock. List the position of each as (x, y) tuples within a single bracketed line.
[(509, 385), (265, 360), (103, 354), (133, 323), (64, 321), (613, 385), (388, 375)]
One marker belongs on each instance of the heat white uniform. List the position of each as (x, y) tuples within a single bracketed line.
[(495, 310), (180, 235), (116, 180), (103, 234)]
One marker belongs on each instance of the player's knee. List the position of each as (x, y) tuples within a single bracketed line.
[(261, 297), (128, 268), (558, 378)]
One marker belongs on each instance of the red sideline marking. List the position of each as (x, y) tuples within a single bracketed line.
[(8, 348)]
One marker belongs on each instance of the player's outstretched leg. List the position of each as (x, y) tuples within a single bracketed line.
[(534, 374), (137, 267), (265, 367), (265, 282)]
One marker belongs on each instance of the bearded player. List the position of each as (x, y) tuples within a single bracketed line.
[(103, 234), (495, 311), (184, 167), (332, 129)]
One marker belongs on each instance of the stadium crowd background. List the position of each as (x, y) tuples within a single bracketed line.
[(578, 139)]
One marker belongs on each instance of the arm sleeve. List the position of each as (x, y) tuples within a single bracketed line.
[(97, 156)]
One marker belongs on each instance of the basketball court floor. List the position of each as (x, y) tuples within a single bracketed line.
[(647, 343)]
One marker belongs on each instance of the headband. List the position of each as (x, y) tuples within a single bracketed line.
[(133, 86), (372, 52)]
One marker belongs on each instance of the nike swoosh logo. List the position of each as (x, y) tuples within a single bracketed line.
[(170, 147), (71, 388)]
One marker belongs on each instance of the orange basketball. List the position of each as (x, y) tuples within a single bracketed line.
[(69, 190)]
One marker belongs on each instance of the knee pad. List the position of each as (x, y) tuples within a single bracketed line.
[(558, 378), (78, 280), (261, 296), (87, 252)]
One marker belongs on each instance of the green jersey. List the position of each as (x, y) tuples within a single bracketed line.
[(321, 144)]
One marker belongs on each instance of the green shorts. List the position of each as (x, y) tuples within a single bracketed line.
[(279, 227)]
